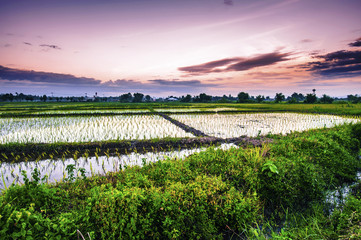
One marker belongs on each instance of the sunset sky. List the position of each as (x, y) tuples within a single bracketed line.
[(175, 47)]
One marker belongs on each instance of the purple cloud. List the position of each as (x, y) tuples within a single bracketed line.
[(190, 83), (12, 74), (228, 2), (337, 64), (356, 43), (50, 46), (236, 64)]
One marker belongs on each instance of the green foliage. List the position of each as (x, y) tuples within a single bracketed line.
[(308, 163), (202, 207), (243, 97), (347, 219), (270, 167), (71, 170), (356, 132), (33, 211), (279, 97), (311, 98), (28, 223), (326, 99)]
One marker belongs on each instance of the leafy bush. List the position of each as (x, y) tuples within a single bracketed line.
[(199, 208), (308, 163)]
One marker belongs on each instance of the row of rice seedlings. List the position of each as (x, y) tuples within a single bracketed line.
[(94, 111), (252, 125), (87, 129), (55, 170)]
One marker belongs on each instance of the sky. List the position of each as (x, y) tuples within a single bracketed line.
[(179, 47)]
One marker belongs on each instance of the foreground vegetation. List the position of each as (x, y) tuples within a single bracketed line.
[(277, 190)]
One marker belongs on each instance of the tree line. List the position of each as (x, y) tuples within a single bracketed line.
[(242, 97)]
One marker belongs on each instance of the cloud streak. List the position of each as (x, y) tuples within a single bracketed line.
[(12, 77), (306, 40), (228, 2), (175, 83), (356, 43), (337, 64), (11, 74), (236, 64), (50, 46)]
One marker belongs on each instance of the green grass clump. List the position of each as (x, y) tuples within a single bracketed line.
[(347, 220)]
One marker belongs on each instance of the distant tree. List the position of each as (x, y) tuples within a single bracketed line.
[(298, 96), (187, 98), (11, 97), (205, 98), (21, 96), (43, 98), (326, 99), (260, 98), (310, 98), (138, 97), (243, 97), (224, 99), (127, 97), (279, 97), (29, 98), (292, 100), (7, 97), (147, 98), (354, 98)]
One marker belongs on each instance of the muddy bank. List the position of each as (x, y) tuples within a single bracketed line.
[(185, 127), (31, 151)]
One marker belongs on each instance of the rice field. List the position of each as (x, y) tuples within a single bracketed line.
[(133, 127), (87, 129), (255, 124), (181, 110), (139, 127)]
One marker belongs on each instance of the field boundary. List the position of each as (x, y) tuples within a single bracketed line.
[(183, 126), (14, 152)]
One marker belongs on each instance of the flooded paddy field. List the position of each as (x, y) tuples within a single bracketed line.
[(167, 158)]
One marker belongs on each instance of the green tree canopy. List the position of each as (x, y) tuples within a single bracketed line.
[(279, 97), (138, 97), (243, 97), (310, 98)]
